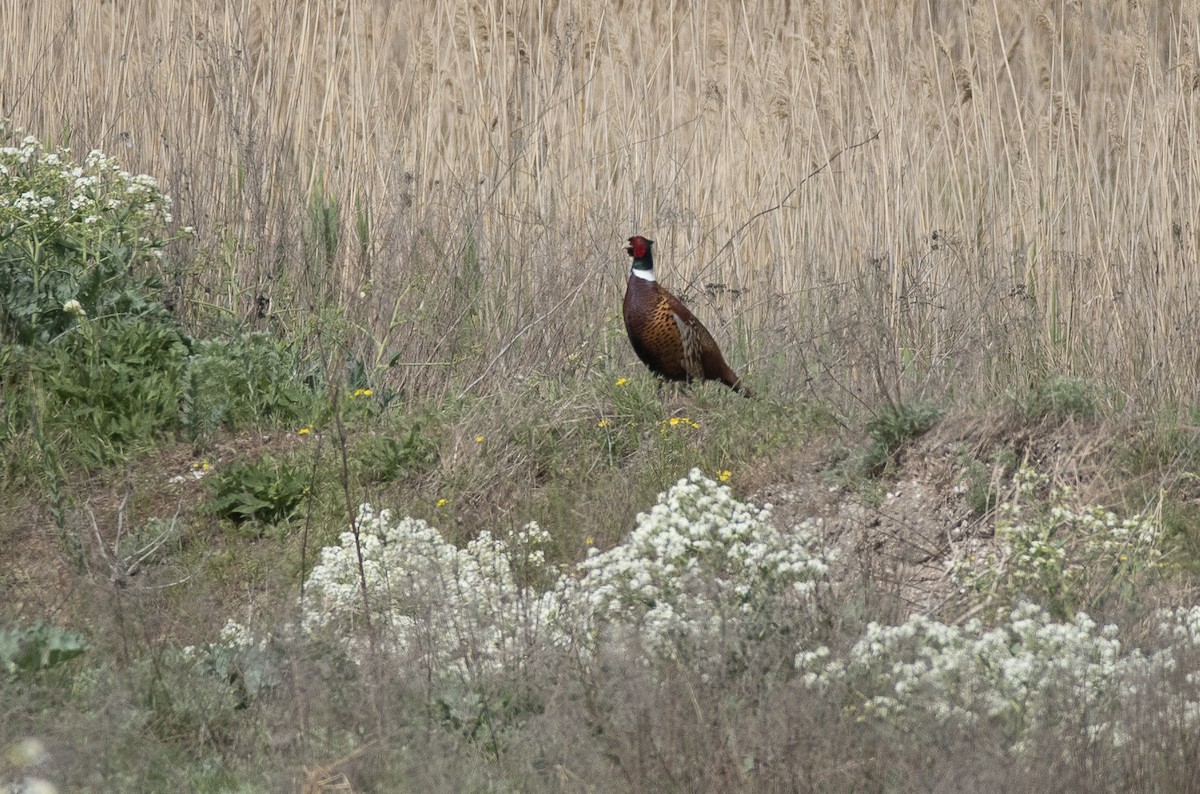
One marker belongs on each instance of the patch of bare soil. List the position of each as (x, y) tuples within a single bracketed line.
[(104, 512), (901, 536)]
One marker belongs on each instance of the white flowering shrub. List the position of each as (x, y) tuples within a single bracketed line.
[(702, 583), (699, 568), (458, 609), (702, 567), (102, 357), (1063, 556), (1028, 673), (1180, 627), (1031, 674), (69, 233)]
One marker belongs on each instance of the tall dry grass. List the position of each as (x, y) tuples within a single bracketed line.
[(1024, 198)]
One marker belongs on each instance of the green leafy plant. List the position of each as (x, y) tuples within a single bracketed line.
[(111, 386), (232, 383), (38, 647), (387, 458), (891, 429), (238, 659), (265, 491), (1062, 398), (1060, 555), (631, 404), (980, 482)]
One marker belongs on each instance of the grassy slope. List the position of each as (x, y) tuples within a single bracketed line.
[(129, 713)]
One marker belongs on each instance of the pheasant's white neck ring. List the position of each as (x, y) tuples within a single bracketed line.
[(646, 274)]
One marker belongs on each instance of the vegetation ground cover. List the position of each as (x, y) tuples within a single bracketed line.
[(327, 465)]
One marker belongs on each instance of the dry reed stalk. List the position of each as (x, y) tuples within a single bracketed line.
[(498, 152)]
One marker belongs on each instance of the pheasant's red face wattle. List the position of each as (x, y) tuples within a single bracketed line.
[(639, 247)]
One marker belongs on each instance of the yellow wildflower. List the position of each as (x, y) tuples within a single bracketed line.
[(479, 439), (603, 423), (304, 431), (677, 421), (442, 502), (724, 475), (622, 381)]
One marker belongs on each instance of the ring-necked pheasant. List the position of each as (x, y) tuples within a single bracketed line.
[(665, 335)]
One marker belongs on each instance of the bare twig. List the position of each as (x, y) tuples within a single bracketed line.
[(792, 192), (123, 566)]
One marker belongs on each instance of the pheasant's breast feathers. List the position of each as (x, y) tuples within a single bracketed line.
[(657, 338)]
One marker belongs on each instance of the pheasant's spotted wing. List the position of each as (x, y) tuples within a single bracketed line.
[(691, 334)]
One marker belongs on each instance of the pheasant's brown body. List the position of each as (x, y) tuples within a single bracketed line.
[(665, 335)]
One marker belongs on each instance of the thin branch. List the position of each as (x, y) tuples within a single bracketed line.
[(792, 192)]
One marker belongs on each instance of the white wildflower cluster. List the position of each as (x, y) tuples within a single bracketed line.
[(44, 193), (1181, 625), (1028, 673), (702, 576), (702, 566), (1060, 555), (1181, 628), (236, 636), (461, 609)]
